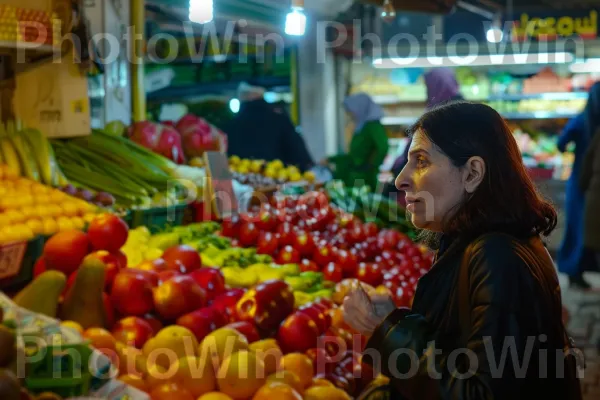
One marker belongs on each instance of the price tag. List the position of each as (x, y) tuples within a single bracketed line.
[(221, 196), (11, 256)]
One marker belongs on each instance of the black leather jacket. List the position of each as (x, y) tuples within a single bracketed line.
[(496, 297)]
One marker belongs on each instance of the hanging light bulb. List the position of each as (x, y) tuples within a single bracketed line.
[(388, 14), (201, 11), (295, 22)]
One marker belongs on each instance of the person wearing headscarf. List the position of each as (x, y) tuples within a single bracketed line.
[(261, 131), (577, 253), (442, 87), (368, 146)]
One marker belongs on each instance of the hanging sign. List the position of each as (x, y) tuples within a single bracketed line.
[(583, 25)]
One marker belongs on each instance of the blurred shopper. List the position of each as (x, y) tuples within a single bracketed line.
[(369, 145), (442, 87), (261, 131), (486, 320), (574, 257), (590, 174)]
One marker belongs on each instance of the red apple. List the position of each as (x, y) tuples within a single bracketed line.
[(248, 235), (247, 329), (66, 250), (164, 276), (268, 243), (202, 322), (230, 227), (107, 232), (288, 255), (178, 296), (266, 305), (303, 242), (113, 266), (307, 265), (121, 259), (182, 258), (317, 315), (157, 265), (333, 272), (211, 280), (370, 273), (131, 294), (154, 323), (109, 311), (322, 363), (298, 333), (133, 331), (39, 267), (152, 276), (349, 263), (226, 302)]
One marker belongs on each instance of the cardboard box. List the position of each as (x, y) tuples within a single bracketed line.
[(53, 97)]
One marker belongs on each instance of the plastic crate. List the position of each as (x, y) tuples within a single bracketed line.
[(157, 219), (24, 274)]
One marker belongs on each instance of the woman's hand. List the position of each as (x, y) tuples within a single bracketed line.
[(365, 309)]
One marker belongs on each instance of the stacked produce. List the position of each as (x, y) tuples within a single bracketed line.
[(132, 174), (23, 25), (28, 208), (258, 173)]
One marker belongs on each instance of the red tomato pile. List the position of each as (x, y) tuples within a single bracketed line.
[(311, 232)]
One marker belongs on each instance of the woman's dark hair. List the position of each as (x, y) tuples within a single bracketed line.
[(507, 200)]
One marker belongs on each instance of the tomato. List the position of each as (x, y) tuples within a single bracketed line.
[(268, 243), (230, 227), (308, 265), (333, 272), (323, 253), (347, 221), (370, 273), (303, 242), (248, 234), (413, 252), (286, 232), (314, 200), (349, 263), (288, 255), (108, 232), (356, 234), (370, 229), (267, 220)]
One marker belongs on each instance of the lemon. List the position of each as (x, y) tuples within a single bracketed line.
[(58, 196), (43, 199), (14, 216), (54, 210), (36, 226), (70, 209), (42, 211), (78, 222), (27, 200), (4, 220), (64, 224), (309, 176), (22, 232), (50, 226), (89, 217)]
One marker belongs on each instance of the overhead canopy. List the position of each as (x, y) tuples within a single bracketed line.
[(430, 6)]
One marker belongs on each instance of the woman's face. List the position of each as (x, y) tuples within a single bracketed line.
[(434, 186)]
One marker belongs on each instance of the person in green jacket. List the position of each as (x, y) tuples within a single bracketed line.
[(368, 147)]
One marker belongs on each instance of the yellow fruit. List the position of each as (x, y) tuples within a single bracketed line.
[(70, 209), (271, 173), (321, 382), (243, 169), (269, 352), (58, 197), (43, 211), (234, 160), (10, 202), (214, 396), (73, 325), (221, 343), (14, 216), (78, 223), (301, 365), (41, 189), (241, 375), (277, 390), (292, 170), (283, 175), (64, 224), (29, 211), (43, 199), (89, 217), (27, 200), (158, 375), (196, 375), (131, 361), (276, 164), (50, 226), (54, 210), (325, 393), (289, 378), (21, 232), (101, 339), (309, 176), (36, 226), (171, 344)]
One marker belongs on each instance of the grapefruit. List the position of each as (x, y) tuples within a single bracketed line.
[(301, 365), (195, 375), (269, 352), (169, 345), (289, 378), (222, 343), (241, 375)]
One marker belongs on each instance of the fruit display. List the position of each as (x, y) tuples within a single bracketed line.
[(22, 25), (260, 174), (29, 208)]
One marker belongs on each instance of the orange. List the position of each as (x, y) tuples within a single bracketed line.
[(169, 345), (131, 360), (159, 376), (269, 352), (287, 377), (101, 339), (196, 375), (241, 375), (337, 317), (135, 381), (214, 396), (222, 343), (170, 391), (73, 325), (324, 393), (277, 390), (321, 382), (301, 365)]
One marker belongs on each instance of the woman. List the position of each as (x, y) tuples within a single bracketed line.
[(573, 257), (492, 294), (368, 147), (590, 175), (442, 87)]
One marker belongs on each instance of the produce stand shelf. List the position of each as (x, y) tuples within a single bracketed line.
[(158, 218)]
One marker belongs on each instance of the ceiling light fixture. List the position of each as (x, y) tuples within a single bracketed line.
[(388, 14), (474, 60), (295, 21), (201, 11)]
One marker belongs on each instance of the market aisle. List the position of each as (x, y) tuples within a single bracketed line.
[(584, 326)]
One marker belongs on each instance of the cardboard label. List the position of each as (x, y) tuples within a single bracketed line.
[(11, 256), (222, 197)]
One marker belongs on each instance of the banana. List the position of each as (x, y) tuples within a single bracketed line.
[(39, 146), (58, 177), (10, 156), (29, 166)]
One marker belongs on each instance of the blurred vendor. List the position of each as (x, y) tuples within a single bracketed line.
[(262, 132), (368, 147)]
